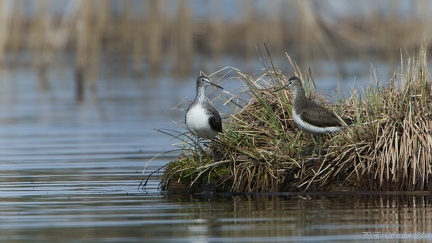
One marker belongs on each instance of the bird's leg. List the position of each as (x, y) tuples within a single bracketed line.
[(212, 150), (197, 149), (317, 144)]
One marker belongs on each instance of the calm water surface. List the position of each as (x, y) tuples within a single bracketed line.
[(70, 173)]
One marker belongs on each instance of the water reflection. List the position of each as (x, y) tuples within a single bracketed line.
[(70, 173), (135, 217), (277, 219)]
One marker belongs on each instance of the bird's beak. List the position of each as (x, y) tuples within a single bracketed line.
[(276, 90), (217, 86)]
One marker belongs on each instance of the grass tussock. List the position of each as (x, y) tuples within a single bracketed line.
[(262, 150)]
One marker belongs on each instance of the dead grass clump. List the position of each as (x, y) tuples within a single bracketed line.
[(391, 148), (262, 150)]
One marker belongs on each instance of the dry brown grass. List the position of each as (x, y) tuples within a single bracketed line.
[(391, 148), (388, 149), (156, 30)]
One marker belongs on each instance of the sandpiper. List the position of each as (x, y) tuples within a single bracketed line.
[(203, 120), (311, 117)]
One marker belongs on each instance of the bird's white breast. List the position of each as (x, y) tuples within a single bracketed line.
[(197, 122), (311, 128)]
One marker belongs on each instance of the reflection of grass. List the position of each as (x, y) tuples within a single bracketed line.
[(261, 149)]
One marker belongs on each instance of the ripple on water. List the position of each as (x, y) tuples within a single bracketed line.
[(70, 173)]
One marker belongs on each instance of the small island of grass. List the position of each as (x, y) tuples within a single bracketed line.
[(389, 148)]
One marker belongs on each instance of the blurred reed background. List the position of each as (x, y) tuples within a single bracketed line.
[(160, 37)]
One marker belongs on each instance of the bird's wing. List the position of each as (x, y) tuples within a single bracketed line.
[(319, 116), (215, 119)]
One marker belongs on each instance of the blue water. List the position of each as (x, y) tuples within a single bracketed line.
[(70, 172)]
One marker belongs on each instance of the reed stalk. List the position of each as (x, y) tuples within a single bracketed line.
[(156, 35), (153, 36), (176, 34), (5, 21)]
